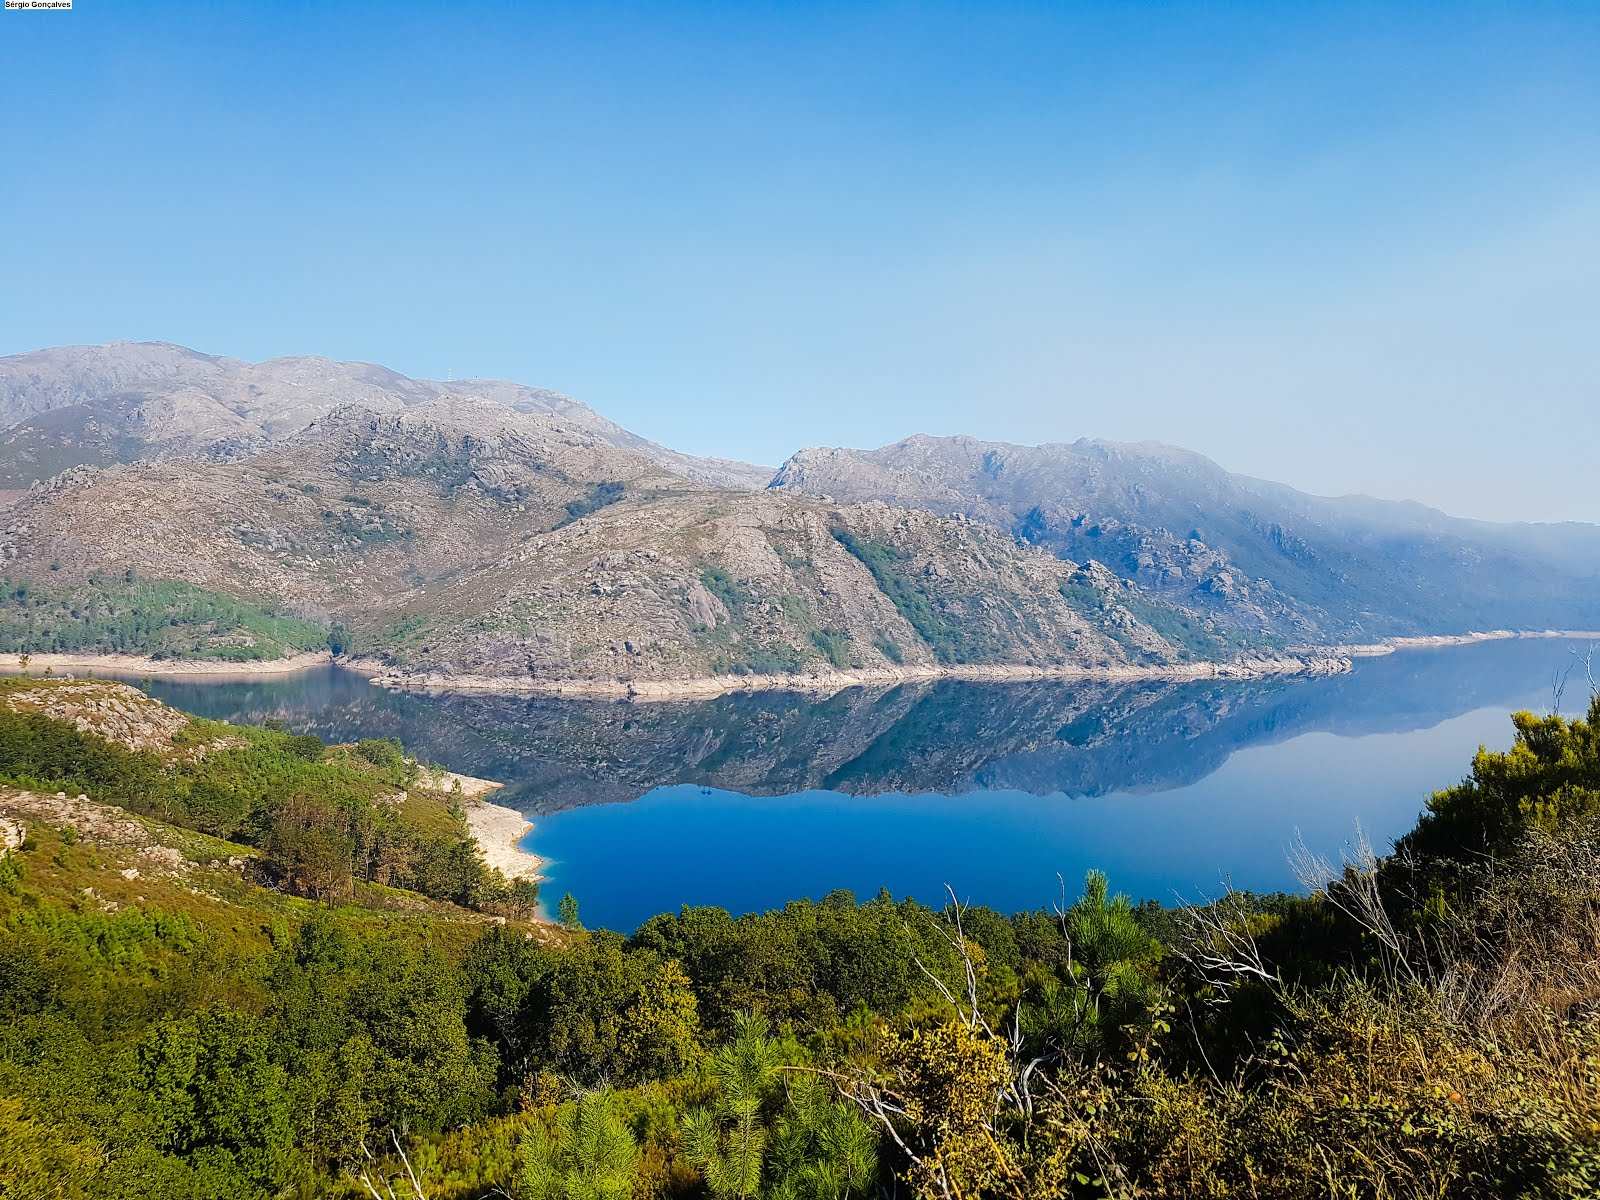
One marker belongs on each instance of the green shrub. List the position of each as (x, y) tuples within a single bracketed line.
[(834, 645), (599, 496), (949, 642)]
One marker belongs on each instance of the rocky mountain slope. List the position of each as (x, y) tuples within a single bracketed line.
[(481, 532), (1246, 553), (126, 401), (457, 540)]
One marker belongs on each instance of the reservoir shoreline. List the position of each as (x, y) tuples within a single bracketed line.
[(1302, 661)]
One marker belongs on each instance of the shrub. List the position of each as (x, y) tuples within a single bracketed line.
[(834, 645)]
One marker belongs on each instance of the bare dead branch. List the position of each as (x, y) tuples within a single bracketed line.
[(1221, 947)]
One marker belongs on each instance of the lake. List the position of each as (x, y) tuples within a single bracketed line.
[(998, 790)]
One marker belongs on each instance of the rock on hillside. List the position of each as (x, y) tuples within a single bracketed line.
[(361, 506), (112, 712), (689, 585)]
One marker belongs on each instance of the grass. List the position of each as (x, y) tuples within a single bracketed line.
[(834, 645), (889, 648), (740, 656)]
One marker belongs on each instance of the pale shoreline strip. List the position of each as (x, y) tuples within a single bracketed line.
[(1438, 640), (138, 664), (1311, 661), (1303, 661), (708, 686), (498, 830)]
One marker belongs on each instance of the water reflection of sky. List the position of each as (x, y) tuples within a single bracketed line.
[(689, 845)]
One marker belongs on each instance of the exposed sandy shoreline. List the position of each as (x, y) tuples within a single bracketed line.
[(499, 830), (134, 664), (1308, 661), (1330, 660), (705, 687), (1391, 645)]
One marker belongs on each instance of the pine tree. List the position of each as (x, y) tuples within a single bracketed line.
[(592, 1156), (728, 1141)]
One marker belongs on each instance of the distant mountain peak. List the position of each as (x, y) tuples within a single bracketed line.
[(114, 402)]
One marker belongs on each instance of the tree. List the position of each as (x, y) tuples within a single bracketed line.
[(821, 1148), (590, 1156), (661, 1028), (728, 1141), (522, 898), (305, 745), (41, 1160), (317, 857), (1105, 981), (208, 1088), (1548, 781), (568, 912)]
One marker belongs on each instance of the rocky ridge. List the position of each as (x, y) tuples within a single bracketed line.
[(115, 713), (131, 401), (485, 534), (1244, 553), (461, 541)]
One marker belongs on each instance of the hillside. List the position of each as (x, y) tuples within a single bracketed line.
[(129, 401), (1246, 553), (481, 533), (455, 540)]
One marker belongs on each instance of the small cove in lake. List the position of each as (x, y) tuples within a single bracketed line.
[(750, 800)]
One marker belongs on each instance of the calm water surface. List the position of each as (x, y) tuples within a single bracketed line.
[(748, 801)]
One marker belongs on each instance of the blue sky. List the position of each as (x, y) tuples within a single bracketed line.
[(1351, 247)]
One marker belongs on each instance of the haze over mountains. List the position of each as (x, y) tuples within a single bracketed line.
[(484, 528), (1230, 546)]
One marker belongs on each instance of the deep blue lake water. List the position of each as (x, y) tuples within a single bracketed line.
[(748, 801)]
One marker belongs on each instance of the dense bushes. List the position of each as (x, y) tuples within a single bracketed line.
[(949, 642), (326, 818), (599, 495), (163, 619)]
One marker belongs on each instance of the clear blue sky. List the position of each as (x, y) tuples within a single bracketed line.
[(1352, 247)]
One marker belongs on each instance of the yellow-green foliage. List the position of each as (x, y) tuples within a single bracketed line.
[(160, 618), (327, 818), (1548, 780)]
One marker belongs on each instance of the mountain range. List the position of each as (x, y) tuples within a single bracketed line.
[(171, 502)]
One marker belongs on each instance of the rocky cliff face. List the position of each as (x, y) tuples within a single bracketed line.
[(1246, 554), (361, 506)]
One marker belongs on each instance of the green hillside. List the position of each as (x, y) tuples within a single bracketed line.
[(239, 963)]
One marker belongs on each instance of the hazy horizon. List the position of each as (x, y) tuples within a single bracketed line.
[(1353, 249)]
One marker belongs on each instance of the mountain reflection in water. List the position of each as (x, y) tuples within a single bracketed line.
[(967, 778)]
